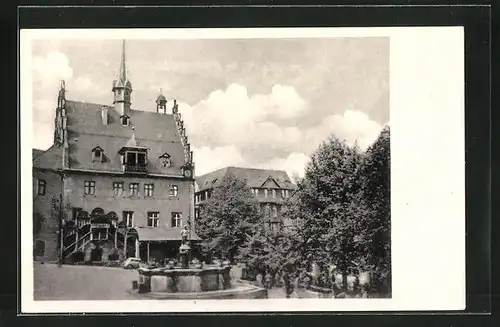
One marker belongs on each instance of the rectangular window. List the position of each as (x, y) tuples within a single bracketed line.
[(275, 211), (128, 218), (256, 191), (287, 194), (134, 189), (176, 219), (265, 192), (97, 155), (98, 234), (131, 158), (89, 187), (282, 193), (117, 188), (141, 159), (42, 185), (274, 193), (149, 190), (75, 212), (174, 190), (153, 219)]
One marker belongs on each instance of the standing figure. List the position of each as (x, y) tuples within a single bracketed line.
[(184, 235), (287, 284), (268, 280)]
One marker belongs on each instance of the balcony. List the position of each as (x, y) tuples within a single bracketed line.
[(135, 169)]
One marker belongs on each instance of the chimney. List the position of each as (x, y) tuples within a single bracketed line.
[(104, 115)]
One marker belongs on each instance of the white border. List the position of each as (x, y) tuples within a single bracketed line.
[(427, 177)]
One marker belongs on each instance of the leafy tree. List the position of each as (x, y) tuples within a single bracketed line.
[(376, 236), (227, 217), (330, 207), (270, 250)]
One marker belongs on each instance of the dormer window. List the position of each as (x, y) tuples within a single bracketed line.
[(165, 160), (125, 120), (135, 158), (97, 154)]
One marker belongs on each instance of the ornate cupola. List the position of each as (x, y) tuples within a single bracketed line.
[(161, 104), (122, 88), (134, 156)]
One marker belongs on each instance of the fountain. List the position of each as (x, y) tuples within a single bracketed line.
[(192, 281)]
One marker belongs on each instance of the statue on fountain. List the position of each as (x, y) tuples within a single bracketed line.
[(184, 249), (184, 235)]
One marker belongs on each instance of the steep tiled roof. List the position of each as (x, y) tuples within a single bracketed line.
[(86, 130), (49, 159), (254, 177)]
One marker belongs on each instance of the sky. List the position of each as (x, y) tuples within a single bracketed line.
[(261, 103)]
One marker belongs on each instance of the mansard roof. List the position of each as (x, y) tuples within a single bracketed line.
[(157, 133), (255, 178)]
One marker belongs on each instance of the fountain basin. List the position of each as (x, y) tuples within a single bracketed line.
[(178, 280), (239, 291)]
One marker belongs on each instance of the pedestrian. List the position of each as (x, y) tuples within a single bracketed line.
[(259, 280), (287, 283), (269, 280)]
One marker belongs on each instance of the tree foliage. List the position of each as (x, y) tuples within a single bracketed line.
[(227, 217), (376, 192), (270, 250), (342, 209)]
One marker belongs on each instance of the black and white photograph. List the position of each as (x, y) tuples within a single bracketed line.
[(251, 167)]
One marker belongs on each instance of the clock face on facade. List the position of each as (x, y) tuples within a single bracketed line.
[(187, 173)]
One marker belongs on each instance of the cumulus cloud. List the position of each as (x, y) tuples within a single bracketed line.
[(208, 159), (353, 126), (248, 121), (231, 125), (48, 72), (53, 66), (294, 164)]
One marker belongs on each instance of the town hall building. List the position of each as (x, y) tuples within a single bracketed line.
[(117, 182)]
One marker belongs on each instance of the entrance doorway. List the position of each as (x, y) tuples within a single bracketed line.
[(96, 254)]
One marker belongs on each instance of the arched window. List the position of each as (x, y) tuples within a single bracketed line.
[(174, 190), (97, 154), (97, 212), (125, 120), (165, 160)]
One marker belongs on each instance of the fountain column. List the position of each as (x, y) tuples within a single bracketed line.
[(184, 250)]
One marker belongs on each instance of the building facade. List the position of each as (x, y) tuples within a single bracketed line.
[(270, 187), (117, 182)]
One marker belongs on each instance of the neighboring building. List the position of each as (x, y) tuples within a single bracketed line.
[(270, 187), (118, 182)]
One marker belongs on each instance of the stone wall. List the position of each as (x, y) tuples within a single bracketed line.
[(140, 205), (42, 205)]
